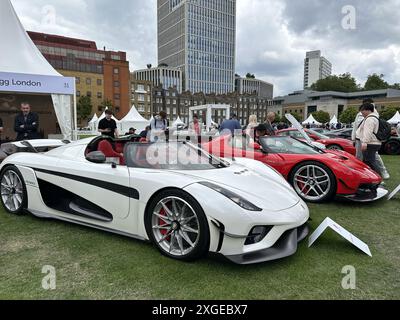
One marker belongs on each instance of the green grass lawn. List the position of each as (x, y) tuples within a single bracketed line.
[(92, 264)]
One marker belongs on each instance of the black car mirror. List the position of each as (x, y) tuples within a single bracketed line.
[(96, 157)]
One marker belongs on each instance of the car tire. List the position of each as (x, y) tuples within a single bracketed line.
[(313, 181), (13, 191), (177, 225), (334, 147), (392, 148)]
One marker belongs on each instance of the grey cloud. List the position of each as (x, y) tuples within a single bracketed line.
[(272, 35)]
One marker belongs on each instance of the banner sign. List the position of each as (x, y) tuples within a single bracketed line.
[(329, 223), (32, 83)]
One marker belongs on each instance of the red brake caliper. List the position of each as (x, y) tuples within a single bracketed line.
[(162, 223)]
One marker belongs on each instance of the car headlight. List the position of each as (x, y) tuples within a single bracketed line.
[(247, 205)]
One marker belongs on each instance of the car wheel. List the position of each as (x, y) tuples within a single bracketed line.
[(313, 182), (335, 147), (13, 191), (177, 225), (392, 148)]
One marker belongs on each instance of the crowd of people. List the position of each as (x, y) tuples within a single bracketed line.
[(366, 127)]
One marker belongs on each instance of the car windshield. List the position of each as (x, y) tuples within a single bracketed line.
[(286, 145), (319, 135), (171, 156)]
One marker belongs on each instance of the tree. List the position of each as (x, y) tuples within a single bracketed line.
[(107, 103), (322, 116), (342, 83), (250, 76), (395, 86), (388, 113), (349, 115), (84, 108), (376, 82)]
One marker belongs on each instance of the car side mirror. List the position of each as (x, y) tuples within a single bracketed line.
[(96, 157), (255, 146)]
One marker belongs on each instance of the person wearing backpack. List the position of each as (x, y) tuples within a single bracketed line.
[(359, 153), (159, 127), (366, 133)]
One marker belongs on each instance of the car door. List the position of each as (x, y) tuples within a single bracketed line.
[(94, 191)]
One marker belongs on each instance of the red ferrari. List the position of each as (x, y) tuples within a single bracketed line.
[(330, 143), (316, 175)]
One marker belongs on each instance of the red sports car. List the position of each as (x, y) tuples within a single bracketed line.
[(316, 175), (330, 143)]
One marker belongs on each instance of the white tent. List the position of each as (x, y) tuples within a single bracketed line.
[(93, 123), (395, 119), (311, 120), (334, 120), (133, 120), (178, 122), (24, 70), (104, 115)]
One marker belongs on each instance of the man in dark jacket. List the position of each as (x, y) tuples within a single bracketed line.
[(26, 123)]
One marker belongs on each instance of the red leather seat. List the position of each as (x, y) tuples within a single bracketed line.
[(106, 147)]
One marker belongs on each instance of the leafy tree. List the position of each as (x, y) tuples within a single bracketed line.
[(388, 113), (322, 116), (376, 82), (349, 115), (395, 86), (278, 118), (342, 83), (107, 103), (250, 76), (84, 108)]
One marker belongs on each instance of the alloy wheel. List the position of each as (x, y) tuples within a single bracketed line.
[(175, 226), (12, 191), (312, 182)]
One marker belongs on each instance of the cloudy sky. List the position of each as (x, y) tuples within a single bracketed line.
[(272, 35)]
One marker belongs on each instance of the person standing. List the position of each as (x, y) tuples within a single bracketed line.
[(159, 127), (253, 124), (108, 126), (269, 124), (26, 123), (370, 145), (231, 126), (195, 126), (359, 152)]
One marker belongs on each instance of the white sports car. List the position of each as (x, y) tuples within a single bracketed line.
[(176, 195)]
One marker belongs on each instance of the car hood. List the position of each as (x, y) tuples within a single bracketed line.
[(264, 187)]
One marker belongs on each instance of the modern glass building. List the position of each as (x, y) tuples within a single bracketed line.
[(199, 37)]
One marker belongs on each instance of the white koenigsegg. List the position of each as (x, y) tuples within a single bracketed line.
[(182, 199)]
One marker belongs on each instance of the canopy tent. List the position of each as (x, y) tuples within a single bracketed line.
[(24, 70), (209, 108), (133, 120), (93, 123), (395, 119), (178, 122), (104, 115), (334, 121), (311, 120)]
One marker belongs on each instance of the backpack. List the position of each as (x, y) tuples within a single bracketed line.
[(385, 130)]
